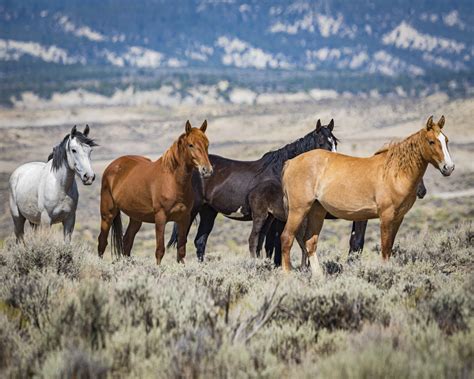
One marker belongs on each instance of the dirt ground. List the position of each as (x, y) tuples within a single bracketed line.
[(246, 132)]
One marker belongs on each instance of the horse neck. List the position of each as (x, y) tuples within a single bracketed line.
[(280, 156), (173, 161), (295, 148), (406, 159), (65, 177)]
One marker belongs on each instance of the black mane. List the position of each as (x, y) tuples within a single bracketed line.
[(277, 158), (58, 155)]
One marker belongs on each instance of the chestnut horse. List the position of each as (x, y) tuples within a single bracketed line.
[(382, 186), (154, 192)]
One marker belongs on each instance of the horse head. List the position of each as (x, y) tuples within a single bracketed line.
[(435, 146), (196, 145), (78, 151)]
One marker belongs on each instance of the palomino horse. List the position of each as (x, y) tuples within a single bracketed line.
[(249, 190), (382, 186), (154, 192), (272, 235), (46, 193)]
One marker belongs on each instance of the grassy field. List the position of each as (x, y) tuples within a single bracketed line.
[(66, 313)]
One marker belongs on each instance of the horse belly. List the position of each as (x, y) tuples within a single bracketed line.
[(353, 211)]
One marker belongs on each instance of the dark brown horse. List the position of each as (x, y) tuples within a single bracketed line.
[(154, 192), (249, 190)]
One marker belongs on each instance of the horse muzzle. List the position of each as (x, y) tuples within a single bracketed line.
[(446, 169), (87, 179), (206, 172)]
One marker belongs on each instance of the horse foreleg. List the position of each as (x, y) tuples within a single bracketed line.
[(388, 230), (206, 223), (183, 226), (45, 219), (68, 226), (295, 218), (315, 220), (132, 230), (160, 222)]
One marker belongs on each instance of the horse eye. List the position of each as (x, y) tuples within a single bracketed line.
[(191, 145), (74, 151), (432, 142)]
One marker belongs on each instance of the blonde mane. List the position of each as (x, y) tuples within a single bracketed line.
[(171, 157), (404, 156)]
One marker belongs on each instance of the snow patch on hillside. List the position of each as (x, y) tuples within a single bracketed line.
[(241, 54), (386, 64), (359, 59), (200, 53), (79, 31), (452, 19), (137, 56), (14, 50), (404, 36), (311, 21)]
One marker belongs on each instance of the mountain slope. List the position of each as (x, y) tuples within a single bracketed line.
[(400, 37)]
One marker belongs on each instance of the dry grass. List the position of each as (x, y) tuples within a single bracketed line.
[(65, 313)]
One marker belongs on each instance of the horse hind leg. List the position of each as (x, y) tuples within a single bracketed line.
[(314, 225), (108, 212), (258, 226), (19, 226), (266, 232), (295, 219), (18, 220), (129, 237), (300, 239), (206, 223)]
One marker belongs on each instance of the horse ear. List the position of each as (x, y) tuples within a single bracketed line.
[(429, 123), (204, 126), (441, 122), (73, 131), (318, 125), (188, 127), (86, 130), (331, 125)]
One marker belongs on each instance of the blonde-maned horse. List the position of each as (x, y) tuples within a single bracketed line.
[(154, 192), (381, 186)]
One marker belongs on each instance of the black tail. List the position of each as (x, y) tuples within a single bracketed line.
[(174, 236), (117, 236), (173, 241)]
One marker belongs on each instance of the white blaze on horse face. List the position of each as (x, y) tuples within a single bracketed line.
[(79, 155), (333, 144), (447, 165)]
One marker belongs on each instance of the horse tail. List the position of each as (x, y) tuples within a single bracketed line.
[(173, 241), (285, 193), (117, 236), (174, 236)]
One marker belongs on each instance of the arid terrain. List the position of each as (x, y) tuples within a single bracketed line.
[(66, 313), (246, 132)]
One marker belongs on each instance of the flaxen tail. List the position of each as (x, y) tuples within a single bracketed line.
[(117, 236)]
